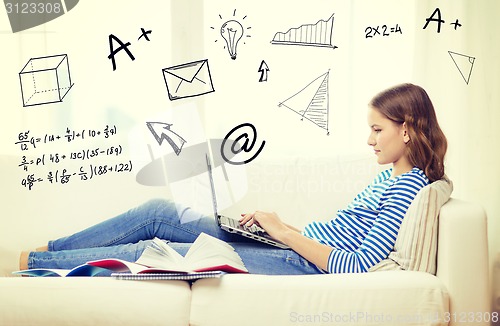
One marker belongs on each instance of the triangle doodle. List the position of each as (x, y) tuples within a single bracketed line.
[(464, 64), (311, 102)]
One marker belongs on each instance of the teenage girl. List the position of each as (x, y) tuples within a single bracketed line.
[(404, 132)]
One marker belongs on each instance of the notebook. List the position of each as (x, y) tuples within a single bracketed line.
[(192, 276)]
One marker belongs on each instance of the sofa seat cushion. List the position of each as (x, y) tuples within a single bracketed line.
[(92, 301), (379, 298)]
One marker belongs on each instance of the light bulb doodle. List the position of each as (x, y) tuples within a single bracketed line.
[(231, 31)]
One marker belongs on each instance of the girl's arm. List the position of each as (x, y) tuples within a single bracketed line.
[(311, 250), (293, 228)]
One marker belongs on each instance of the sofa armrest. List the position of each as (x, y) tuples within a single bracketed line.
[(462, 260)]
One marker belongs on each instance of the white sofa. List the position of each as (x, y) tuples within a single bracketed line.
[(458, 293)]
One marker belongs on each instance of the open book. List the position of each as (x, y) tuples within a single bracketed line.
[(206, 254)]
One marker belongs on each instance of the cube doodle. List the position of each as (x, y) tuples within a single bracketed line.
[(45, 80)]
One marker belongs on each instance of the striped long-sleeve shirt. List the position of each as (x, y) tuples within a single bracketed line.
[(364, 233)]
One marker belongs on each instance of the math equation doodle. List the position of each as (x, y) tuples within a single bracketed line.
[(85, 173), (26, 141), (56, 159), (382, 30)]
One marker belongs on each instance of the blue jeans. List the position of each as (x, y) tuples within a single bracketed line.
[(127, 235)]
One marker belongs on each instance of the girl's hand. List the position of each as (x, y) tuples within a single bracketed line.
[(270, 222), (310, 249)]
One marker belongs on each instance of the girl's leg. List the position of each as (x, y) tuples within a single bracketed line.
[(156, 218), (258, 258), (122, 237), (68, 259)]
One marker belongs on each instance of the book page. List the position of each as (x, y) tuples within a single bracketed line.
[(207, 252), (160, 255)]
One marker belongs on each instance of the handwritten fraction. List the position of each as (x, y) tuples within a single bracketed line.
[(84, 154), (28, 142), (63, 176)]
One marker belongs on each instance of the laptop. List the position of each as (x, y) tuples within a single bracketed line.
[(232, 225)]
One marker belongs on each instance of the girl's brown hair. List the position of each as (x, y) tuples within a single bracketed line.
[(410, 104)]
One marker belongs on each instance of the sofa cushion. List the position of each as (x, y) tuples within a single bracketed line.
[(92, 301), (416, 245), (385, 298)]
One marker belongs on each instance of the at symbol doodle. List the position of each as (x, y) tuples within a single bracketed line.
[(247, 146)]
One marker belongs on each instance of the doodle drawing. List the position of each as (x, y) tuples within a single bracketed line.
[(464, 64), (264, 71), (188, 80), (311, 102), (162, 131), (319, 34), (232, 31), (45, 80), (236, 147)]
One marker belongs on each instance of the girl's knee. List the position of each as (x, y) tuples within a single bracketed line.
[(158, 203), (160, 207), (165, 209)]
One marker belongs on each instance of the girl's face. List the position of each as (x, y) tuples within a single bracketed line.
[(388, 139)]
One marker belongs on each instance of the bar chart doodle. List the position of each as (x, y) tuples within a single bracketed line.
[(319, 34)]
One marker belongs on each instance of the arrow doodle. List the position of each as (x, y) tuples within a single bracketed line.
[(263, 69), (161, 131)]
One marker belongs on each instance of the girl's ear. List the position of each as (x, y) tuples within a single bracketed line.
[(406, 135)]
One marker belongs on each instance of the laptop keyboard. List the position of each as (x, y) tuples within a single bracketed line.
[(253, 229), (255, 232)]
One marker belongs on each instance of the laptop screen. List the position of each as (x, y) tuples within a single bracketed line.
[(212, 186)]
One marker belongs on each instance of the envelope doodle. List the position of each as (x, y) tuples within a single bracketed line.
[(188, 80)]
